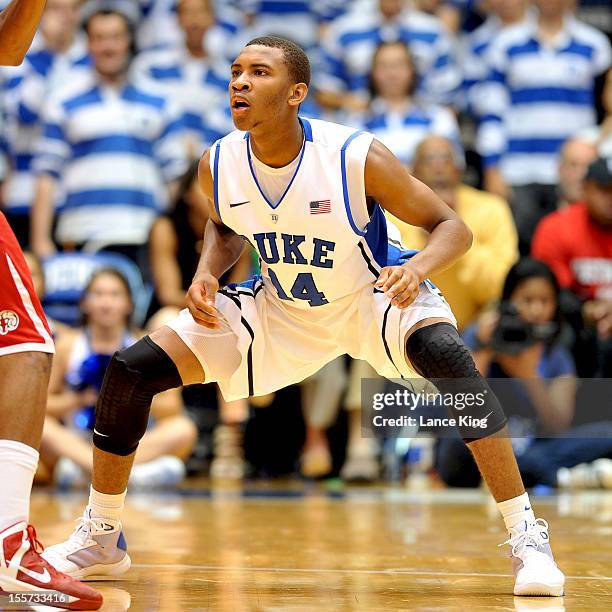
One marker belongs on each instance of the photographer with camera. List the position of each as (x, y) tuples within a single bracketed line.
[(520, 340)]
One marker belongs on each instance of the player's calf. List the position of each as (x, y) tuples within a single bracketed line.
[(438, 354)]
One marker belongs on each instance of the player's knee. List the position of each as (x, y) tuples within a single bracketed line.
[(437, 351), (438, 354), (134, 376)]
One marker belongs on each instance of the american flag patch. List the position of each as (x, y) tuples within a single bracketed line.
[(318, 207)]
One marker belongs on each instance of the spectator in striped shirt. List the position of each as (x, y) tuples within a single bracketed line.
[(395, 117), (114, 149), (501, 14), (350, 44), (194, 80), (59, 50), (540, 91)]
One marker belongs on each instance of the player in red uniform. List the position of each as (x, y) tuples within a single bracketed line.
[(26, 347)]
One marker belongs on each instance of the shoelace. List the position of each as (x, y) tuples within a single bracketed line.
[(532, 536), (35, 542), (85, 526)]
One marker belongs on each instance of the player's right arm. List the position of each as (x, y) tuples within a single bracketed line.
[(220, 250), (18, 23)]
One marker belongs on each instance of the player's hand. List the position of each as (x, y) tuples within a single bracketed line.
[(400, 283), (201, 300)]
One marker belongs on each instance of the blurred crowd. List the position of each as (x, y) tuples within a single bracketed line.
[(502, 107)]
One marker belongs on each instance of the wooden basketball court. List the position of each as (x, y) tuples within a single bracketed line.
[(290, 546)]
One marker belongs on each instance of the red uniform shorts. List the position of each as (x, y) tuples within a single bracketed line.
[(23, 326)]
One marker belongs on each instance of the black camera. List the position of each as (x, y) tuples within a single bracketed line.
[(513, 334)]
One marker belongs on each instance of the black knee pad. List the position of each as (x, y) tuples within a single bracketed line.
[(438, 354), (133, 377)]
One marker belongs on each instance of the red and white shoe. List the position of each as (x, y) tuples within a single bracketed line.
[(23, 569)]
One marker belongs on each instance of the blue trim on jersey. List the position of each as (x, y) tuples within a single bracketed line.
[(263, 195), (347, 204), (307, 129), (397, 256), (376, 236), (216, 178)]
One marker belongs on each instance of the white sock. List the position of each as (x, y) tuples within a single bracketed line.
[(516, 510), (104, 505), (18, 463)]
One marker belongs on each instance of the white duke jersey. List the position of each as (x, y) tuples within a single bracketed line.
[(318, 243)]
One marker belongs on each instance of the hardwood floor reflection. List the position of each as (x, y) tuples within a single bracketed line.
[(284, 547)]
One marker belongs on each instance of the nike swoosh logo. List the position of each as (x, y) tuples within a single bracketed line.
[(43, 577), (100, 434), (239, 203), (107, 527)]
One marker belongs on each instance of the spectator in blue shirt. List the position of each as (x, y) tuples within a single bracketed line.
[(542, 391), (112, 147), (395, 116)]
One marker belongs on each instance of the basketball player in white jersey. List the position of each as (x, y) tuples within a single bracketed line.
[(309, 196), (25, 361)]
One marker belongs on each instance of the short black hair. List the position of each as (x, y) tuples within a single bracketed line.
[(295, 57)]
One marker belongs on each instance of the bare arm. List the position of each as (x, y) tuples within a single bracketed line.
[(164, 265), (18, 23), (389, 183), (220, 250), (554, 401), (42, 216), (222, 246)]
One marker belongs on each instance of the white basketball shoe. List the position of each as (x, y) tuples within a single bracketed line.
[(535, 570), (96, 547)]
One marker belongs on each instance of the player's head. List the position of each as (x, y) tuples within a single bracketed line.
[(270, 79), (111, 38), (107, 300)]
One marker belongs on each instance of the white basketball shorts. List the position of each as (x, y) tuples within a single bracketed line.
[(264, 344)]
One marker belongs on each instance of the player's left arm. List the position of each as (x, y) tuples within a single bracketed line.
[(18, 23), (388, 182)]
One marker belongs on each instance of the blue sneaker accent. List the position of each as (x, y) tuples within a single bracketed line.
[(121, 543)]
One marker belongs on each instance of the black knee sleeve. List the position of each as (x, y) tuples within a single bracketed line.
[(438, 354), (133, 377)]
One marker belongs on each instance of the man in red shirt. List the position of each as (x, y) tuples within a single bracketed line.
[(576, 242)]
